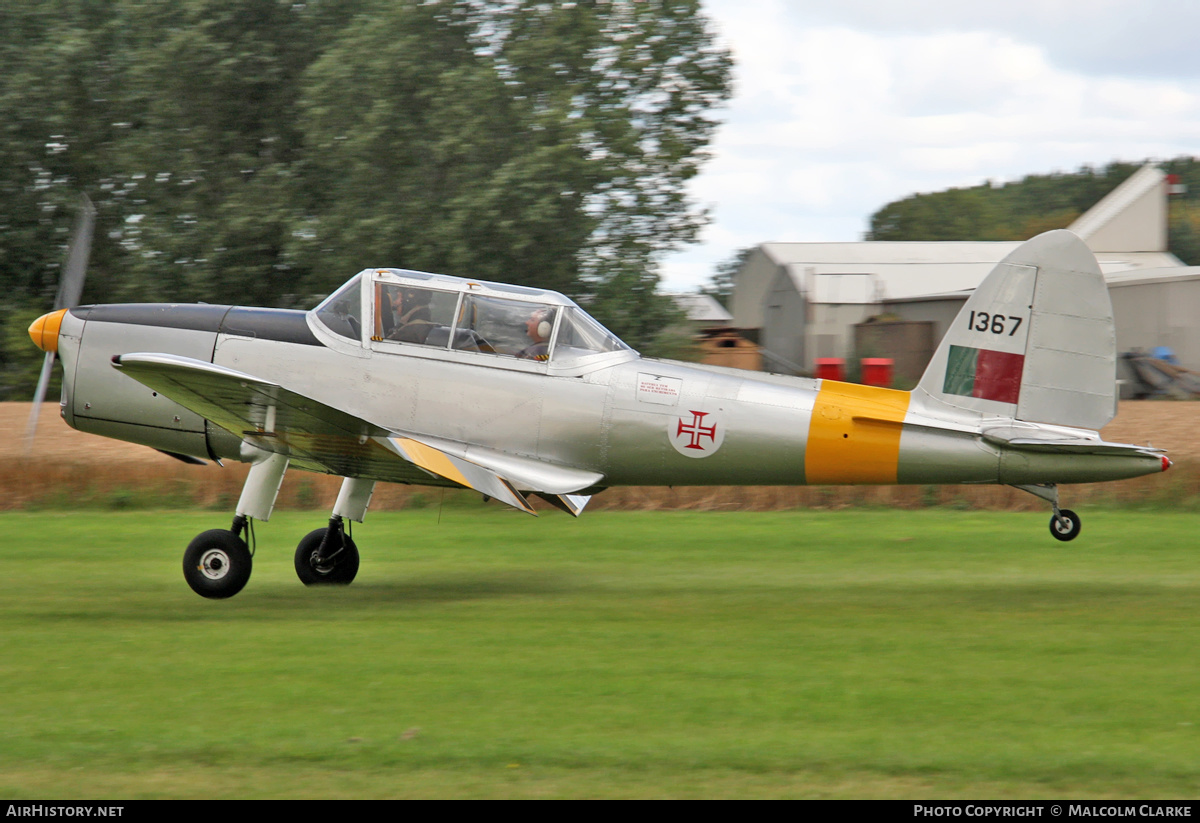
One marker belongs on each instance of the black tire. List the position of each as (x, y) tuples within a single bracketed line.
[(217, 564), (1071, 531), (340, 573)]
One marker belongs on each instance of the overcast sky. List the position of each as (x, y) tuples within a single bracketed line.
[(840, 107)]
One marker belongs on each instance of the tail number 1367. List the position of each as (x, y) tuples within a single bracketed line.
[(994, 323)]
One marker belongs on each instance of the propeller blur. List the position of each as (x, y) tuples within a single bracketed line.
[(70, 287)]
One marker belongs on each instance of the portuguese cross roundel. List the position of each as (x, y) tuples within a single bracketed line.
[(696, 432)]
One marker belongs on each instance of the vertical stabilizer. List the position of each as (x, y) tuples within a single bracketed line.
[(1035, 341)]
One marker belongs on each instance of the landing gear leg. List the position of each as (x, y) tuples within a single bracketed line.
[(217, 564), (329, 556), (1064, 523)]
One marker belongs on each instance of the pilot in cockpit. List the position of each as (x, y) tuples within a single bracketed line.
[(412, 320), (537, 328)]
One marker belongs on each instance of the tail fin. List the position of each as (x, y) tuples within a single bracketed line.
[(1035, 341)]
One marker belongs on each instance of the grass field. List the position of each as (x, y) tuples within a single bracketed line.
[(854, 653)]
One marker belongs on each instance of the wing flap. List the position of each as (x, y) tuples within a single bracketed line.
[(572, 504), (526, 473), (461, 472)]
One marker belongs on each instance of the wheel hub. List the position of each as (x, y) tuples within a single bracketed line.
[(321, 567), (214, 564)]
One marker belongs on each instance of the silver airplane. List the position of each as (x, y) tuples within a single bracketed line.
[(515, 392)]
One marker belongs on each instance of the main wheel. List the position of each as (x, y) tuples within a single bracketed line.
[(1068, 530), (217, 564), (339, 570)]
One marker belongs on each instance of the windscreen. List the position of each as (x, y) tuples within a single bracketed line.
[(339, 312), (581, 336)]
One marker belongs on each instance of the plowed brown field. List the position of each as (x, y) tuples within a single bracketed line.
[(66, 467)]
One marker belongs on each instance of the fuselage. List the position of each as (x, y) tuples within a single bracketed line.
[(635, 421)]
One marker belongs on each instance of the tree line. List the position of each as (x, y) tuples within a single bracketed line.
[(1036, 203), (260, 152), (1016, 210)]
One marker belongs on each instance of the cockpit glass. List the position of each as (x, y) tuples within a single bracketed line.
[(513, 327), (340, 310), (407, 314), (581, 336), (489, 318)]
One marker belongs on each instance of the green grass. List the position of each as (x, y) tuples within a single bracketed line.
[(859, 653)]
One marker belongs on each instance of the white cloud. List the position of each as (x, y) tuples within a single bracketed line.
[(834, 118)]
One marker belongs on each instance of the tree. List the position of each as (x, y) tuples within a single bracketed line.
[(419, 155), (724, 278), (1184, 230), (537, 143), (1035, 204), (262, 152), (1013, 211), (204, 185)]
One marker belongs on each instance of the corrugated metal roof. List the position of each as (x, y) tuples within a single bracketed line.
[(923, 268), (702, 308), (889, 279), (1121, 277), (895, 252), (1163, 275), (1112, 262)]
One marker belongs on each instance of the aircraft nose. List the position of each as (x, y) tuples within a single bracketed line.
[(44, 331)]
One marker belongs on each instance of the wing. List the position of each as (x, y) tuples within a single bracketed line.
[(321, 438)]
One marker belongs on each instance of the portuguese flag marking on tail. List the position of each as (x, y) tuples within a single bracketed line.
[(990, 375)]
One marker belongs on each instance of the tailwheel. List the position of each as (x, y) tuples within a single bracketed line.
[(327, 557), (1064, 525), (217, 564)]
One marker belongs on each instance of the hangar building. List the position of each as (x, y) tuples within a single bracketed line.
[(804, 301)]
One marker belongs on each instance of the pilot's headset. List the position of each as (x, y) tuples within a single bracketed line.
[(415, 297), (544, 326)]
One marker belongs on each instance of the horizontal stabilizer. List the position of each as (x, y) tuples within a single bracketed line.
[(1028, 440)]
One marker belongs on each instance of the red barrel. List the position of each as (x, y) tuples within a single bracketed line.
[(877, 371), (831, 368)]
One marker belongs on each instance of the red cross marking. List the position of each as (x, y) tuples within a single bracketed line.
[(696, 430)]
